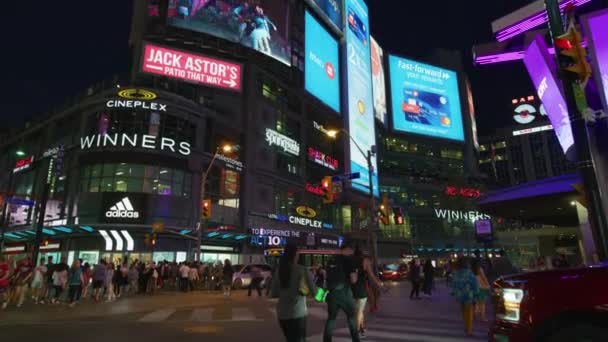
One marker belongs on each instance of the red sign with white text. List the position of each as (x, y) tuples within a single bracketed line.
[(323, 159), (191, 68), (23, 164)]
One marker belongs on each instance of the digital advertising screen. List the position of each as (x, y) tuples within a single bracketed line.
[(322, 63), (596, 28), (425, 99), (542, 70), (331, 9), (360, 98), (379, 86), (262, 25)]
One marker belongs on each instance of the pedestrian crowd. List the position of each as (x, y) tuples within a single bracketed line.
[(54, 283)]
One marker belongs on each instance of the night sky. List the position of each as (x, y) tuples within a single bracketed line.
[(53, 49)]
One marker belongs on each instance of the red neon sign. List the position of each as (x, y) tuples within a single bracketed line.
[(315, 189), (192, 68), (454, 191), (323, 159)]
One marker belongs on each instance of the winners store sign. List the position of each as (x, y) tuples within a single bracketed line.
[(141, 141)]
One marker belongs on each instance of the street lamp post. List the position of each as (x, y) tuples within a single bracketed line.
[(203, 226), (372, 238)]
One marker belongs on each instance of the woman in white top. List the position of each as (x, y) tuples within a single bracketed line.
[(39, 283)]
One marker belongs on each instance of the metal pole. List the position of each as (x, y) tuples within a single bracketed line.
[(5, 216), (199, 232), (584, 162), (40, 222), (372, 238)]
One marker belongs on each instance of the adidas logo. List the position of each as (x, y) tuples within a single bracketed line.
[(122, 209)]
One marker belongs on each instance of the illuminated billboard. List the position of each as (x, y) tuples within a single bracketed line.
[(528, 110), (360, 98), (330, 9), (542, 72), (189, 67), (262, 25), (425, 99), (596, 28), (321, 64), (379, 87)]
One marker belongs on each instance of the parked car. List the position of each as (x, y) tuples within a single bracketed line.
[(394, 272), (242, 275), (556, 305)]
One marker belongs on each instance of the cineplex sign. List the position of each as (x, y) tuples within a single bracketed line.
[(189, 67), (143, 141)]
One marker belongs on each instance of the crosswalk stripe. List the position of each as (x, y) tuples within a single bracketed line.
[(201, 315), (157, 316), (415, 337), (432, 330), (242, 315)]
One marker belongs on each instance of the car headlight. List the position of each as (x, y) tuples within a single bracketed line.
[(512, 299)]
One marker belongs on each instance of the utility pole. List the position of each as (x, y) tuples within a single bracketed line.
[(372, 237), (584, 161)]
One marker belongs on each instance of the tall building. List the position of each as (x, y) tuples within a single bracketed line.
[(525, 151)]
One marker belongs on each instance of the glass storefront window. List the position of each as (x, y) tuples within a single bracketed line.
[(181, 256), (91, 257), (162, 256)]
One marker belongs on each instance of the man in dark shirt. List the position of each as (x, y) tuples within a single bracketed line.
[(341, 274)]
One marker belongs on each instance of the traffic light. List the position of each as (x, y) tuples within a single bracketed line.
[(573, 56), (398, 216), (384, 210), (158, 227), (153, 240), (328, 191), (206, 209), (147, 239)]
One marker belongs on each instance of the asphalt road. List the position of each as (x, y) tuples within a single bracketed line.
[(198, 316)]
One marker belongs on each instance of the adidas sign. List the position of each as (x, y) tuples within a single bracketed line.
[(122, 209)]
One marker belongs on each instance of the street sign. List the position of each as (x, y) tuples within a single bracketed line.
[(348, 176), (21, 201)]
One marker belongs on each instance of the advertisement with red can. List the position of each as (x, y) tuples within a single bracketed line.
[(189, 67)]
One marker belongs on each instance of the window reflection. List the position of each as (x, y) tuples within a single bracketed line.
[(124, 177)]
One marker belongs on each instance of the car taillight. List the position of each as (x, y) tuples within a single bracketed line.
[(509, 301)]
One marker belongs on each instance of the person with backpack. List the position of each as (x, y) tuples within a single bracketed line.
[(292, 283), (341, 275)]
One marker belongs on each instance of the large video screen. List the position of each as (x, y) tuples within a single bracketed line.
[(425, 99), (331, 9), (360, 97), (596, 28), (322, 64), (378, 83), (262, 25)]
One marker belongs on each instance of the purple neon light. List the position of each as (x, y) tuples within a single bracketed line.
[(541, 68), (597, 33), (532, 21), (508, 56)]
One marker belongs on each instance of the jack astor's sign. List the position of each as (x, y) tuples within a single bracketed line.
[(143, 141)]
